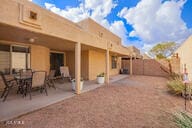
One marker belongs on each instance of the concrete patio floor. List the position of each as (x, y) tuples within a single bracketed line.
[(16, 105)]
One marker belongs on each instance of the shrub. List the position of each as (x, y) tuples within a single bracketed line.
[(176, 86), (175, 76), (101, 74), (183, 120), (73, 80)]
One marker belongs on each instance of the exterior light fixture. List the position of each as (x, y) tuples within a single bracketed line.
[(31, 40)]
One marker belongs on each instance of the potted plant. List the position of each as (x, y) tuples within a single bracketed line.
[(101, 78), (74, 85)]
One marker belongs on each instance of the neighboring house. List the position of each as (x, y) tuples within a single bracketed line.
[(184, 52), (124, 60), (32, 37)]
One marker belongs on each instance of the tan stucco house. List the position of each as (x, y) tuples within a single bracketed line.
[(32, 37), (184, 52)]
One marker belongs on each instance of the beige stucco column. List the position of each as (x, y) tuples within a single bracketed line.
[(78, 66), (107, 68), (131, 65)]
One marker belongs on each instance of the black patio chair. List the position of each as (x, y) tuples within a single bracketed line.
[(8, 85), (25, 72), (51, 79)]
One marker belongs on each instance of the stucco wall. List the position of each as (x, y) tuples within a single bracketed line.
[(70, 62), (101, 33), (40, 58), (96, 63), (92, 64), (184, 53), (116, 70), (96, 29)]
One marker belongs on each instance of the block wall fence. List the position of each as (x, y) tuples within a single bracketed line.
[(152, 67)]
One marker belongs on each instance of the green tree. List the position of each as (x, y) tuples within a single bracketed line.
[(163, 50)]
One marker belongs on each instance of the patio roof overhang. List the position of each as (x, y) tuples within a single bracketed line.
[(16, 35)]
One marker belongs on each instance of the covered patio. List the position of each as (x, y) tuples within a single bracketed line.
[(16, 105), (76, 57)]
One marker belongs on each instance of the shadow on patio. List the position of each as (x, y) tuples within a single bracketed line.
[(16, 105)]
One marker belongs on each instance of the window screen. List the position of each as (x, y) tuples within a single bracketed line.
[(5, 58), (20, 58)]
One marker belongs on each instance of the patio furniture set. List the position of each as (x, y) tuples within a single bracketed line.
[(26, 80)]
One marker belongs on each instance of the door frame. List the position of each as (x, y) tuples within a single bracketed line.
[(64, 53), (64, 59)]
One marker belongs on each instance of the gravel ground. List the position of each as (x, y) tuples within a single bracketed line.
[(134, 102)]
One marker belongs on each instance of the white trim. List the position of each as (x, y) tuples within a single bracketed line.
[(18, 45)]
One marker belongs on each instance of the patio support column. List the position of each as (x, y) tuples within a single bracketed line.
[(78, 66), (131, 65), (107, 67)]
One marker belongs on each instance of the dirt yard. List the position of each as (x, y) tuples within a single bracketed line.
[(135, 102)]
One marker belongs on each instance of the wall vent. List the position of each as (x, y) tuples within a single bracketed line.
[(33, 15)]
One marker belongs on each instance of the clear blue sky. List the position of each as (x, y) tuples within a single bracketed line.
[(172, 23)]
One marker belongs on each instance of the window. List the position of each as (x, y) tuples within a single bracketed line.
[(114, 62), (5, 61), (20, 58), (14, 58)]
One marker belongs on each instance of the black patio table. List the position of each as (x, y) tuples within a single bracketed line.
[(22, 83), (26, 77)]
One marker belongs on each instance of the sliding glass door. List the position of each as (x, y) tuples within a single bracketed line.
[(56, 60)]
